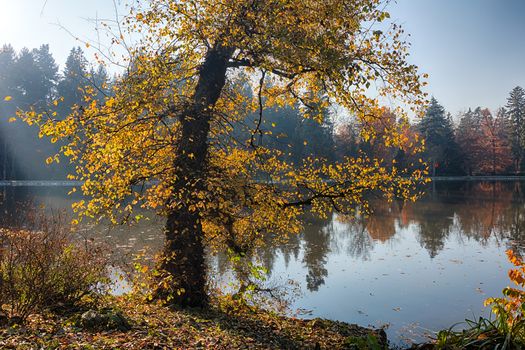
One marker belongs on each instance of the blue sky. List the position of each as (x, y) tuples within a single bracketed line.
[(473, 49)]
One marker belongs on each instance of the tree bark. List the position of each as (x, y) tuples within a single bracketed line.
[(183, 264)]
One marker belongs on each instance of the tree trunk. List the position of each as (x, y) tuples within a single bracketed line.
[(183, 265)]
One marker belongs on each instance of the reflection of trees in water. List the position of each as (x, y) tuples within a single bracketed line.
[(381, 224), (350, 235), (493, 210), (314, 242), (513, 223), (291, 249), (432, 235), (480, 215), (316, 245), (473, 210), (470, 210), (480, 211), (435, 220), (516, 230)]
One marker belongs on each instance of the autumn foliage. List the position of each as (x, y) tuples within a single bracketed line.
[(164, 139), (509, 310)]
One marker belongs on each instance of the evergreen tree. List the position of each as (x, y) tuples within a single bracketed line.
[(442, 151), (516, 114), (100, 81), (7, 61), (74, 79), (467, 134), (48, 71), (286, 129), (319, 136), (27, 90), (7, 88)]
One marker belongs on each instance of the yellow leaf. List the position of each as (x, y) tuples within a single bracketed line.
[(12, 119), (8, 98)]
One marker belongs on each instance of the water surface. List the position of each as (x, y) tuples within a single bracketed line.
[(414, 267)]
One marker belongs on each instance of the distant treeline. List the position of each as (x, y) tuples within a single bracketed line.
[(480, 142), (32, 79)]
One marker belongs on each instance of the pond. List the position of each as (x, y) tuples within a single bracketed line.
[(413, 267)]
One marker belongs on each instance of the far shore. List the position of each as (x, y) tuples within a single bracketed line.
[(480, 178), (70, 183)]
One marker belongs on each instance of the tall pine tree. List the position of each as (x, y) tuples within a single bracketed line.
[(516, 114), (74, 78), (48, 72), (442, 151)]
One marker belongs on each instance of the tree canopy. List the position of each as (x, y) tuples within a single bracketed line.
[(165, 137)]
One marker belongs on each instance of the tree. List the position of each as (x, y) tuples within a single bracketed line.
[(350, 143), (7, 88), (74, 80), (166, 128), (441, 147), (347, 140), (467, 136), (7, 61), (30, 79), (376, 147), (48, 72), (100, 81), (516, 113), (287, 129), (28, 90), (496, 152)]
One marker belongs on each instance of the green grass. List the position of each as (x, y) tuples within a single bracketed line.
[(482, 334)]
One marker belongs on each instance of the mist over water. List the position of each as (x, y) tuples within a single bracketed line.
[(415, 268)]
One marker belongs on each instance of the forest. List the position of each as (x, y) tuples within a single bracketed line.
[(223, 170), (477, 141)]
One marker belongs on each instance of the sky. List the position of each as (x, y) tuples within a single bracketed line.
[(473, 50)]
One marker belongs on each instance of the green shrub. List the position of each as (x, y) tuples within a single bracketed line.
[(46, 267)]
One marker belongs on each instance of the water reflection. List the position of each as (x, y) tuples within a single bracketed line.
[(464, 211), (431, 262)]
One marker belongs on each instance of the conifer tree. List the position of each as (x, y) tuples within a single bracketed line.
[(441, 148), (75, 77), (516, 113)]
